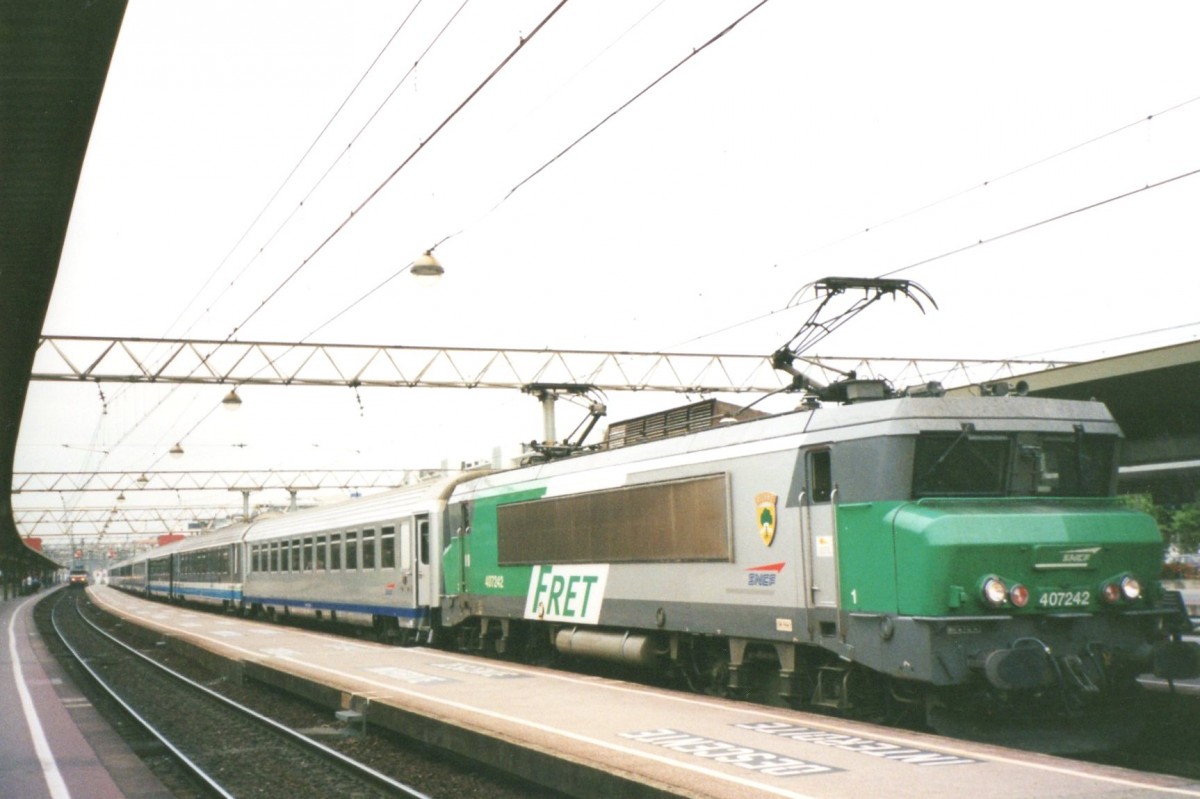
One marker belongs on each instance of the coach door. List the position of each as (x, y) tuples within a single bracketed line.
[(819, 517), (414, 560), (421, 535)]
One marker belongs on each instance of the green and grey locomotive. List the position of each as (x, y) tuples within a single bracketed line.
[(959, 557)]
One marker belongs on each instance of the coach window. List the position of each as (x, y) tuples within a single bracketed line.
[(285, 555), (335, 552), (274, 556), (320, 564), (423, 538), (296, 553), (387, 548), (820, 476), (351, 552), (309, 557), (368, 550)]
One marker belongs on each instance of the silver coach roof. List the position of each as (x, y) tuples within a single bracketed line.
[(357, 512)]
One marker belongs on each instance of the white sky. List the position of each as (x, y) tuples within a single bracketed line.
[(749, 172)]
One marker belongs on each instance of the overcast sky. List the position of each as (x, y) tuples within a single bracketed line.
[(813, 139)]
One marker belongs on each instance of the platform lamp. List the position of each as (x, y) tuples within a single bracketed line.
[(232, 401), (426, 269), (176, 451)]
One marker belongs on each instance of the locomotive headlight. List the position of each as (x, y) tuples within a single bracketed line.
[(1019, 595), (1111, 593), (995, 592), (1130, 587)]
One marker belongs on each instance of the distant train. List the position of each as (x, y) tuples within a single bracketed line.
[(959, 558)]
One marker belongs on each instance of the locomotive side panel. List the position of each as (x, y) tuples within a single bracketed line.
[(703, 545)]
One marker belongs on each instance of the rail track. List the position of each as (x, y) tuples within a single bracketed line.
[(203, 742)]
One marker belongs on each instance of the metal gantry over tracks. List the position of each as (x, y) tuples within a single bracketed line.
[(546, 374), (110, 359)]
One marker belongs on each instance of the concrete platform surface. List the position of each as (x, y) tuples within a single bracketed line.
[(53, 742), (599, 737)]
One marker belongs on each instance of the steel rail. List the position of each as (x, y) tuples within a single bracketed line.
[(362, 770), (191, 766)]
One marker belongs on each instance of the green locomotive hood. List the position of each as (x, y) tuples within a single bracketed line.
[(1062, 550)]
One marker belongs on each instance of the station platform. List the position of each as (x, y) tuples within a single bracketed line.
[(53, 743), (598, 737)]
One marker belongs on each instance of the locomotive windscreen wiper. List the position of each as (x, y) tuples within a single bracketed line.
[(967, 430)]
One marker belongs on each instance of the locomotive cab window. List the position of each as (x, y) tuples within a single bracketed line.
[(1077, 466), (820, 476), (962, 464), (971, 464)]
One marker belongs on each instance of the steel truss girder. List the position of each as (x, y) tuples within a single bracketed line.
[(116, 522), (216, 480), (235, 363)]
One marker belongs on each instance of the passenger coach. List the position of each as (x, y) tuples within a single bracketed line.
[(370, 561)]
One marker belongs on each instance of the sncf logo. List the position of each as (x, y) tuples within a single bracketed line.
[(1079, 556), (764, 576), (1050, 558)]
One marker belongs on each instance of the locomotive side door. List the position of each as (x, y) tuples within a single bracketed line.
[(819, 516)]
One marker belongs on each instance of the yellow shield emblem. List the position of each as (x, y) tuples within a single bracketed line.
[(764, 505)]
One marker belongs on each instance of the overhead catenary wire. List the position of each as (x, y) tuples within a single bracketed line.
[(579, 140), (695, 52), (295, 168), (957, 194), (975, 245), (376, 191), (400, 167), (283, 184), (1011, 173), (354, 139), (495, 71), (1042, 222)]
